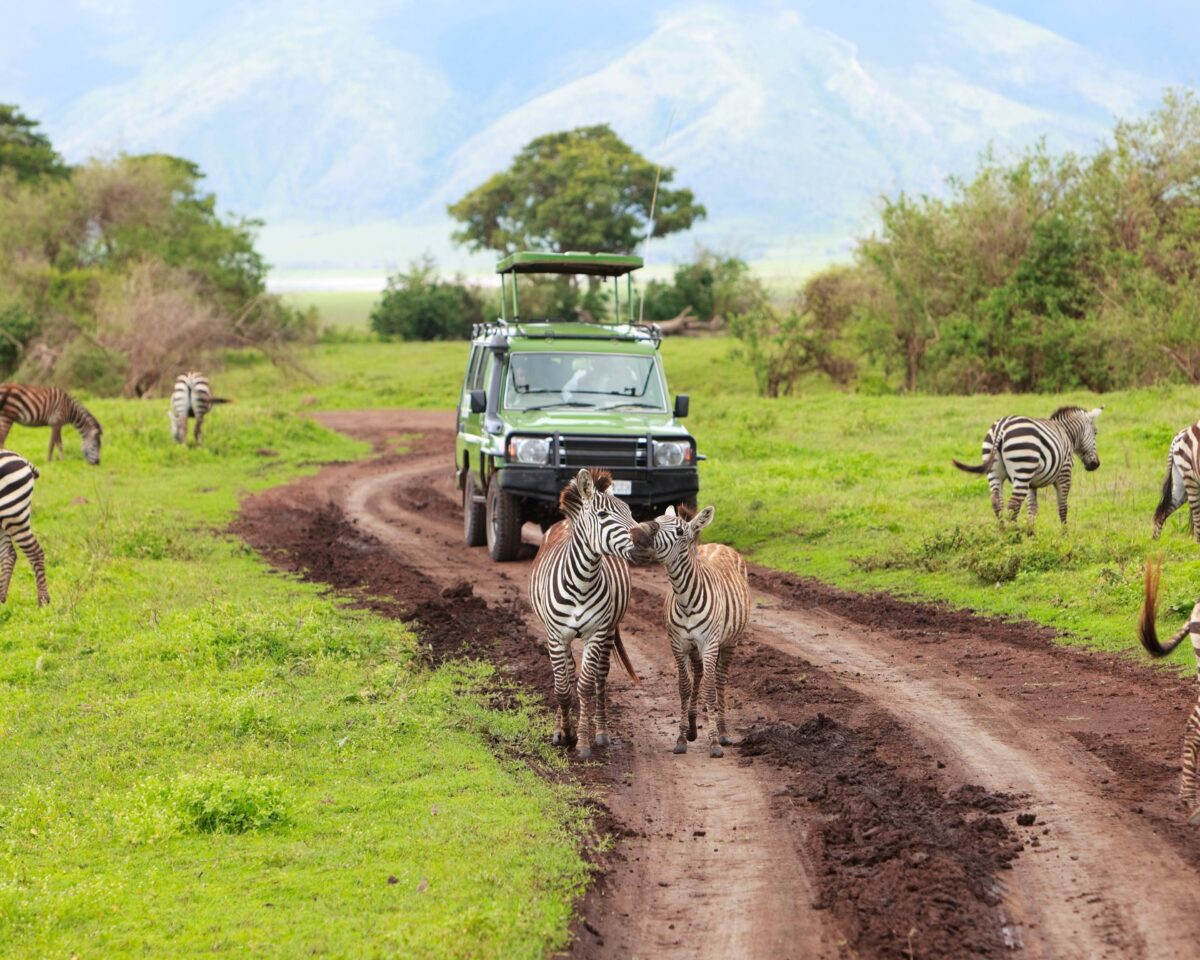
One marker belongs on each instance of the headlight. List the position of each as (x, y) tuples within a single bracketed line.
[(529, 449), (671, 453)]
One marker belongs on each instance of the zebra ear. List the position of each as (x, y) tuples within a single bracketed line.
[(702, 520), (1094, 414), (670, 511), (585, 485)]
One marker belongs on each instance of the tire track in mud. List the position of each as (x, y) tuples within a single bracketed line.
[(871, 811)]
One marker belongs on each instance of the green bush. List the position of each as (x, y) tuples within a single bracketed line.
[(416, 305), (219, 801)]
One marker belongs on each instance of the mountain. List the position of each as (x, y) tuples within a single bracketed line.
[(350, 126)]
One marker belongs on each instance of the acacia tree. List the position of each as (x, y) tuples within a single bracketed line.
[(24, 150), (583, 189)]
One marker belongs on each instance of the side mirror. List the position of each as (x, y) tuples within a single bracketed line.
[(681, 406), (478, 401)]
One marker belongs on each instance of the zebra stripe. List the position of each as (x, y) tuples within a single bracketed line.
[(579, 587), (705, 614), (1034, 453), (1148, 634), (48, 407), (1182, 480), (192, 397), (16, 498)]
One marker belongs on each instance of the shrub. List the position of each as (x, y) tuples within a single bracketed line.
[(712, 285), (219, 801), (416, 305)]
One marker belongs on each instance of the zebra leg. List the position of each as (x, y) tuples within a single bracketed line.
[(1032, 507), (586, 685), (37, 559), (55, 439), (697, 676), (1020, 490), (1173, 494), (1192, 487), (996, 484), (686, 703), (8, 559), (178, 428), (710, 699), (1062, 488), (5, 426), (604, 664), (199, 424), (1187, 777), (723, 659), (563, 665)]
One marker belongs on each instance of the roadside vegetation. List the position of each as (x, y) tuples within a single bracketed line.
[(202, 756)]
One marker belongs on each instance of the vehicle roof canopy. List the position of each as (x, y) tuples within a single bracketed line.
[(588, 264)]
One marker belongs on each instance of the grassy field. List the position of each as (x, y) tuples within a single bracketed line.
[(204, 757), (859, 490), (342, 310)]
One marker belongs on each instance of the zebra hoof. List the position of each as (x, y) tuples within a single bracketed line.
[(715, 750), (691, 734), (584, 753), (724, 741), (603, 740), (1194, 817), (570, 739), (557, 739), (680, 746)]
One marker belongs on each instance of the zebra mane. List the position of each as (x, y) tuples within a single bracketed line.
[(684, 512), (1063, 412), (569, 500)]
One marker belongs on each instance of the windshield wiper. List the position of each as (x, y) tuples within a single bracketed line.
[(547, 406), (633, 403)]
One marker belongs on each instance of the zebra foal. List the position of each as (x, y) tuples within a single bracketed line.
[(192, 397), (579, 587), (16, 497), (1033, 453), (48, 407), (1182, 480), (1148, 634), (706, 615)]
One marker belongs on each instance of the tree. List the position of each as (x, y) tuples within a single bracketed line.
[(583, 189), (24, 150), (711, 285)]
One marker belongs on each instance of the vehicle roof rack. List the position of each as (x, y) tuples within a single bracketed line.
[(570, 330), (587, 264)]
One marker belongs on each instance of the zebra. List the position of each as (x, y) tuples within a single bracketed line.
[(579, 587), (192, 397), (16, 496), (1182, 479), (706, 614), (1148, 634), (48, 407), (1034, 453)]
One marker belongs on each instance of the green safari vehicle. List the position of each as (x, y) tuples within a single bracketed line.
[(544, 397)]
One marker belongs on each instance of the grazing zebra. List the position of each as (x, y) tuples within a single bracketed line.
[(1148, 634), (16, 496), (579, 587), (1035, 453), (48, 407), (1182, 479), (706, 615), (192, 397)]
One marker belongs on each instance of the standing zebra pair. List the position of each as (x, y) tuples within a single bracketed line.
[(579, 588)]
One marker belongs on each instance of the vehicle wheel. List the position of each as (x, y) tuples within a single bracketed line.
[(503, 524), (474, 516)]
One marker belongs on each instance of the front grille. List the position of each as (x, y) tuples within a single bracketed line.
[(585, 451)]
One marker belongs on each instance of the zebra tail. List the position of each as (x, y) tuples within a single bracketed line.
[(981, 468), (33, 470), (1163, 510), (625, 662), (1147, 631), (215, 400)]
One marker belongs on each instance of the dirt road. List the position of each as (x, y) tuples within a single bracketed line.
[(893, 754)]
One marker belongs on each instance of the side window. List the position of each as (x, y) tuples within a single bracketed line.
[(474, 369)]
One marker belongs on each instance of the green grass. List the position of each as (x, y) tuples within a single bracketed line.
[(204, 757), (859, 490)]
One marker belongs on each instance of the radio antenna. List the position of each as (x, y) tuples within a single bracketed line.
[(650, 225)]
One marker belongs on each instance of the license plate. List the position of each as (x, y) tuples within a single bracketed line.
[(622, 488)]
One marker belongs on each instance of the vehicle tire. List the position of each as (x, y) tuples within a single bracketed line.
[(474, 516), (503, 524)]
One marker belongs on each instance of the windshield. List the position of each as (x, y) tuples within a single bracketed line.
[(597, 381)]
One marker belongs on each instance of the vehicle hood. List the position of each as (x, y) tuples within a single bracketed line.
[(586, 421)]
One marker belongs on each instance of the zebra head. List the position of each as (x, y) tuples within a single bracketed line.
[(601, 521), (669, 538), (1081, 425), (91, 445)]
